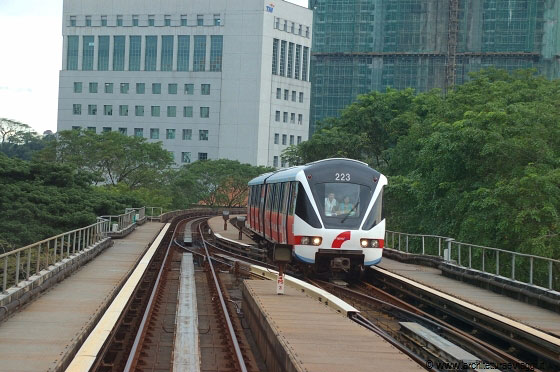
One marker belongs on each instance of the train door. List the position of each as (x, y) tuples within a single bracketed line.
[(284, 212), (262, 204), (250, 207), (274, 214), (292, 197), (267, 212)]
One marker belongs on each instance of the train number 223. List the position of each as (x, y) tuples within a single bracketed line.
[(342, 177)]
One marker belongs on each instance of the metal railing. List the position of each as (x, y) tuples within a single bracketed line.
[(22, 263), (153, 212), (123, 221), (526, 268)]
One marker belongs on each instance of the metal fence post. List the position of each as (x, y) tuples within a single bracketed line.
[(55, 247), (483, 260), (74, 243), (513, 266), (470, 256), (497, 262), (549, 274), (459, 257), (423, 250), (5, 278), (439, 247), (407, 243), (17, 268), (399, 241), (28, 263), (38, 258), (530, 270)]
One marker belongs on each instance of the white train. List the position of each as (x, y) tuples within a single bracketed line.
[(329, 213)]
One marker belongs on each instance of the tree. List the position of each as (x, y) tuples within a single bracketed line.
[(111, 157), (214, 182)]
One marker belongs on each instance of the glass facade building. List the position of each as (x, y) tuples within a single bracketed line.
[(364, 45)]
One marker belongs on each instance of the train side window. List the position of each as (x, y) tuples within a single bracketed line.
[(250, 198), (376, 214), (292, 198), (304, 209), (268, 197), (286, 198)]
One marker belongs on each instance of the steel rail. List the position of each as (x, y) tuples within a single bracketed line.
[(232, 335), (130, 363)]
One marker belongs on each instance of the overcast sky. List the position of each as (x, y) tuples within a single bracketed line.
[(30, 60)]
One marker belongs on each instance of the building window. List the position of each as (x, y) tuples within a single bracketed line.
[(118, 53), (119, 20), (106, 129), (205, 112), (183, 53), (93, 87), (187, 111), (279, 93), (300, 29), (285, 117), (123, 131), (291, 139), (73, 21), (294, 95), (155, 111), (284, 139), (108, 87), (284, 163), (276, 138), (77, 109), (72, 54), (187, 134), (304, 67), (183, 20), (92, 109), (203, 135), (124, 88), (77, 87), (88, 46), (202, 156), (298, 140), (286, 94), (290, 60), (123, 110), (189, 89), (103, 53), (199, 57), (301, 97), (275, 161), (139, 110), (298, 62), (275, 57), (156, 88), (292, 118), (88, 21), (283, 58), (76, 127), (307, 32), (276, 23), (154, 133), (216, 46), (138, 132), (171, 111), (167, 20), (92, 129), (150, 53), (134, 53), (172, 88), (170, 134), (135, 20), (277, 116), (108, 110), (293, 28), (166, 53), (186, 157), (205, 89), (200, 20), (140, 88), (300, 119), (217, 20), (151, 20), (285, 25)]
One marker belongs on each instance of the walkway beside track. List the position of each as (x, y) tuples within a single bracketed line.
[(232, 233), (533, 316), (295, 332), (44, 334)]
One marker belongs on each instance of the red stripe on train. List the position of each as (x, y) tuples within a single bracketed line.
[(341, 238)]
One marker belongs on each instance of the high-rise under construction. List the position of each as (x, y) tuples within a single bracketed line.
[(365, 45)]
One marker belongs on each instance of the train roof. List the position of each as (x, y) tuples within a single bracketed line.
[(289, 174)]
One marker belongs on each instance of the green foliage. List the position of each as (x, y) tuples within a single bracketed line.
[(214, 182), (18, 140), (39, 200), (480, 164), (111, 157)]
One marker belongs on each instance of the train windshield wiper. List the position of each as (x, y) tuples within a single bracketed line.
[(351, 210)]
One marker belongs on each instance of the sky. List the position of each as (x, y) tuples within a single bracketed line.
[(30, 60)]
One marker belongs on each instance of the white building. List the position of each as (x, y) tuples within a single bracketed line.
[(210, 79)]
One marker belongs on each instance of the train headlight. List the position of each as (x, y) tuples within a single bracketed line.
[(370, 243), (374, 243), (305, 240), (364, 243), (317, 240), (309, 240)]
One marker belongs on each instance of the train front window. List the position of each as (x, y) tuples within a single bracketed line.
[(342, 204)]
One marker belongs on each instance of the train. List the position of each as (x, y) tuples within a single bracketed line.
[(328, 214)]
